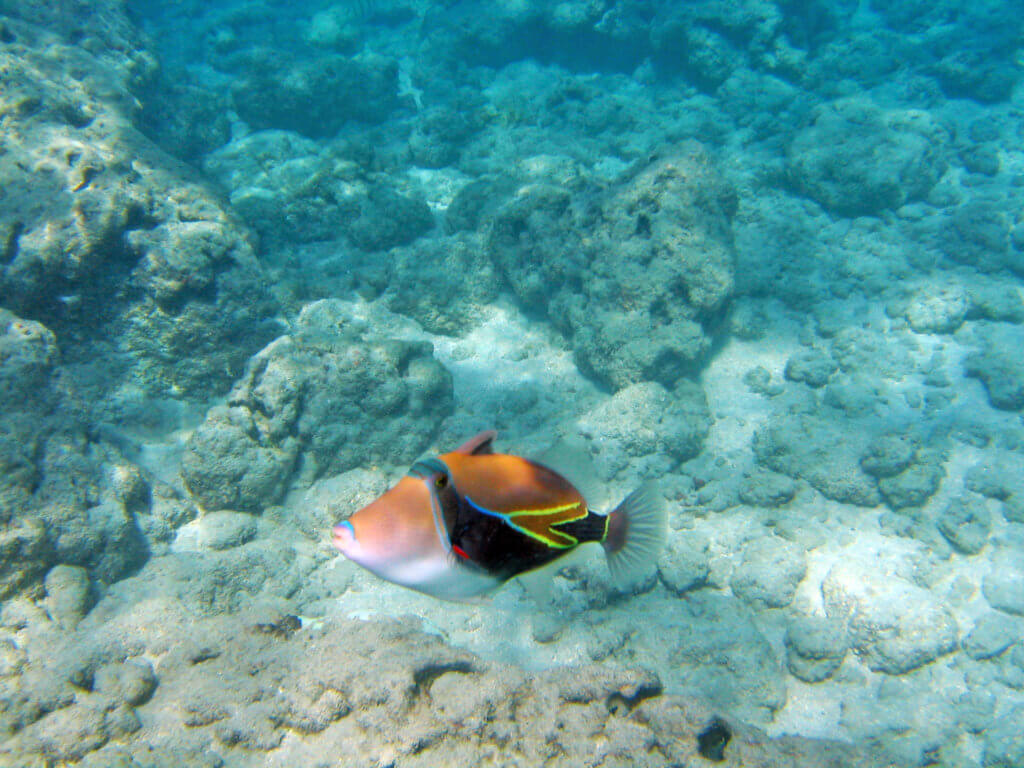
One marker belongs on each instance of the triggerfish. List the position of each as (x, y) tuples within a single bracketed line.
[(463, 523)]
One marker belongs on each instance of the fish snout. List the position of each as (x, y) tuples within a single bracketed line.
[(345, 538)]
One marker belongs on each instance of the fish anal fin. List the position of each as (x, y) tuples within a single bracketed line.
[(480, 445)]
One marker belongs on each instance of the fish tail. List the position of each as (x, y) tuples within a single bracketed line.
[(635, 535)]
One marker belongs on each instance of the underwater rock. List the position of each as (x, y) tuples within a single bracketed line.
[(965, 522), (166, 511), (439, 136), (579, 35), (975, 709), (54, 506), (981, 158), (724, 658), (978, 235), (857, 159), (976, 74), (478, 201), (28, 357), (648, 424), (888, 455), (286, 186), (812, 367), (105, 238), (1013, 508), (991, 634), (186, 119), (770, 571), (95, 24), (893, 625), (821, 451), (1003, 586), (66, 516), (314, 96), (367, 688), (67, 735), (940, 309), (1003, 746), (388, 218), (996, 475), (1010, 667), (129, 684), (761, 488), (997, 363), (106, 539), (25, 553), (684, 565), (291, 190), (759, 380), (444, 283), (217, 531), (227, 466), (68, 594), (211, 582), (682, 43), (324, 399), (638, 278), (914, 485), (815, 647)]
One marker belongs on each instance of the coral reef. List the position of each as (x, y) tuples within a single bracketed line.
[(257, 257)]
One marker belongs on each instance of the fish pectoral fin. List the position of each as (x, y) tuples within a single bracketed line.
[(539, 583)]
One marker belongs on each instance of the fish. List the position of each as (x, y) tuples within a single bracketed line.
[(459, 525)]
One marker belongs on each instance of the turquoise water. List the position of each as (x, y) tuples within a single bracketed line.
[(258, 258)]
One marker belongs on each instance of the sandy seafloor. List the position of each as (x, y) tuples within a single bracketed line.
[(258, 257)]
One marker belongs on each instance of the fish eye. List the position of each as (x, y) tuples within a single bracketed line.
[(441, 481)]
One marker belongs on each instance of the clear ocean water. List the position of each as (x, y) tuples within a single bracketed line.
[(763, 259)]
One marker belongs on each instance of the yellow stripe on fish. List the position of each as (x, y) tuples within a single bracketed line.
[(536, 523)]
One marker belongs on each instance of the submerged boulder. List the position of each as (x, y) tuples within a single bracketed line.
[(857, 159), (315, 96), (998, 364), (290, 189), (819, 450), (893, 625), (59, 505), (323, 399), (647, 423), (637, 276), (110, 243), (815, 647)]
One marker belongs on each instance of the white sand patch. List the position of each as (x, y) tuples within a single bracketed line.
[(504, 348), (438, 185), (738, 411), (812, 711)]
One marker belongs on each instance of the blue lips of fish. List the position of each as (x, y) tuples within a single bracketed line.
[(461, 524)]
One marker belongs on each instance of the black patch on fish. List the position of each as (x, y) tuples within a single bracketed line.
[(590, 528), (493, 545)]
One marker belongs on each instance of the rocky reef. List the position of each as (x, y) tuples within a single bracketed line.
[(258, 258)]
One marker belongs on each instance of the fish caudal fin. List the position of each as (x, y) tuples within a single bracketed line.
[(636, 535)]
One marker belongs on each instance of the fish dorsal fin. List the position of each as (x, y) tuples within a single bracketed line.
[(479, 445)]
